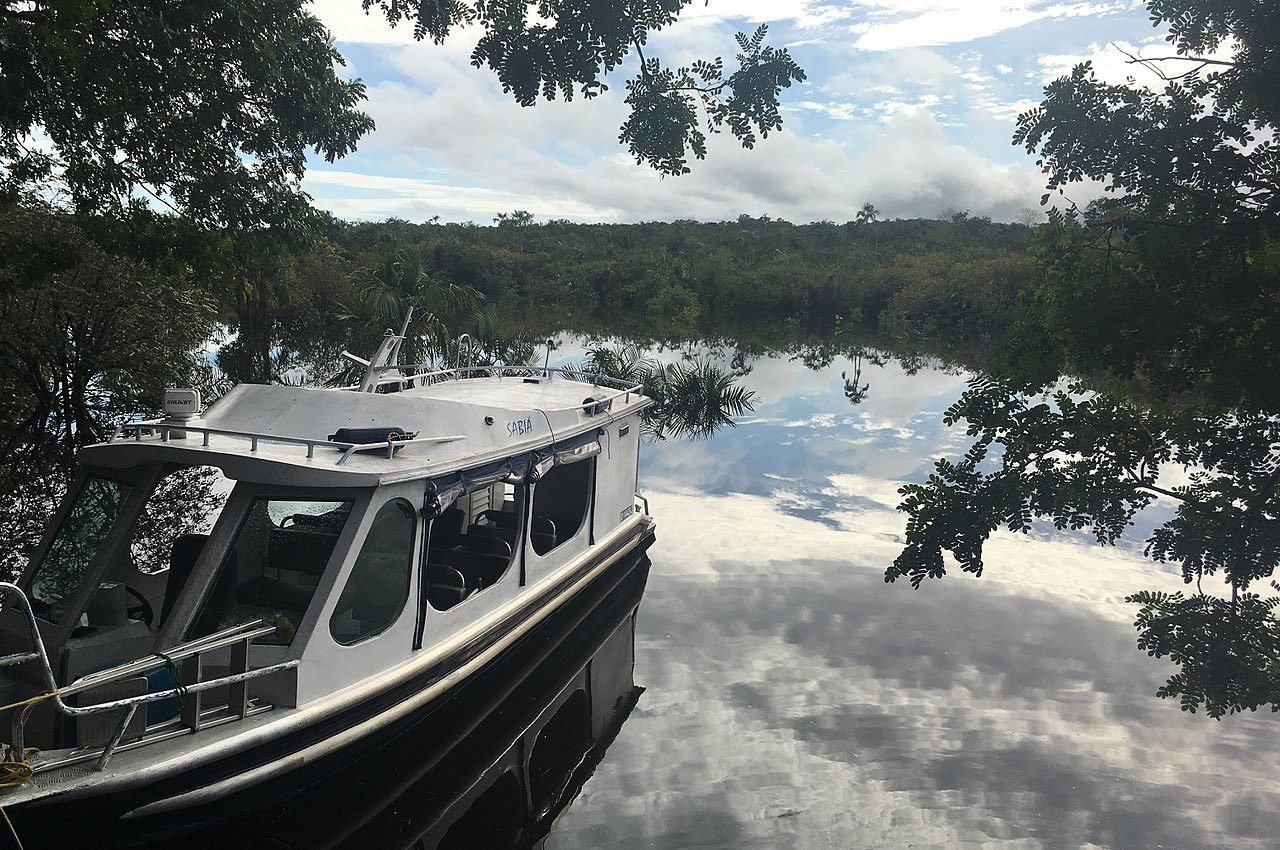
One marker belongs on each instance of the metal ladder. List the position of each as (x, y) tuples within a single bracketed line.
[(186, 656)]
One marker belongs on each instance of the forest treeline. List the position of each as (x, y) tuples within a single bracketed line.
[(91, 308), (910, 280)]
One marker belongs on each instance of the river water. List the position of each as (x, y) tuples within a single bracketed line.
[(794, 700), (771, 691)]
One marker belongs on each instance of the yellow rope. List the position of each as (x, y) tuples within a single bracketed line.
[(14, 766), (36, 698), (14, 770), (12, 831)]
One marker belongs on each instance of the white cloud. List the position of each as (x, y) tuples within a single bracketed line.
[(789, 688), (1110, 63), (891, 72), (1003, 111), (499, 157), (916, 171), (837, 110), (370, 196), (347, 22), (915, 130), (887, 110), (805, 14), (791, 45), (920, 23)]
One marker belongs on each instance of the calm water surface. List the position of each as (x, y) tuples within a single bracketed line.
[(794, 700)]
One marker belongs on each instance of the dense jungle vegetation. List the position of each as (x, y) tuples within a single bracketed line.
[(1110, 342), (909, 281)]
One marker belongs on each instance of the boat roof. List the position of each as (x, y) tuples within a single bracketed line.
[(281, 434)]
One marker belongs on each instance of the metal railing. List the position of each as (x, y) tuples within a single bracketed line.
[(186, 655), (168, 430), (619, 387)]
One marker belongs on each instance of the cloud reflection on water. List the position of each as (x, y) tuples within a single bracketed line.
[(796, 701)]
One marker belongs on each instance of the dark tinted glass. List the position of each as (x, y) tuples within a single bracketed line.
[(378, 586), (68, 558), (274, 566)]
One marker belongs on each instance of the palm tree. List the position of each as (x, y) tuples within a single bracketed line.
[(692, 399), (624, 363), (498, 342), (695, 399), (867, 216), (385, 293), (854, 388)]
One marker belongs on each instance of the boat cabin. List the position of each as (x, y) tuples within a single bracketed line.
[(346, 531)]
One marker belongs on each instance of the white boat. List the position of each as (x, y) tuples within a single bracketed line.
[(494, 768), (380, 546)]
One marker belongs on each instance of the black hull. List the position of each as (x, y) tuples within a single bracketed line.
[(98, 822)]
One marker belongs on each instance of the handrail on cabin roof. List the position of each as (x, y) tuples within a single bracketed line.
[(165, 429), (617, 386), (463, 372)]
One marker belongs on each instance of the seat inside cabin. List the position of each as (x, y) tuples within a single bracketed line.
[(273, 567), (473, 543)]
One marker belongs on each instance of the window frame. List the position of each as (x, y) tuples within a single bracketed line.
[(585, 522), (348, 575), (231, 545), (515, 561), (141, 478), (124, 520), (224, 535)]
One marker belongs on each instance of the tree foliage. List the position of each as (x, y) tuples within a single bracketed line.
[(1246, 85), (679, 280), (88, 337), (208, 106), (404, 281), (1199, 150), (1164, 300), (553, 49)]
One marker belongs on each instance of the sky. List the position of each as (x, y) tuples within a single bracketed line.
[(908, 105)]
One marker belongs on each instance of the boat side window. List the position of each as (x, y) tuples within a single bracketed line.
[(473, 543), (74, 545), (186, 502), (166, 542), (560, 500), (273, 566), (378, 585)]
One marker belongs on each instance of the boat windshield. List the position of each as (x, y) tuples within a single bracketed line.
[(77, 541), (273, 567)]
